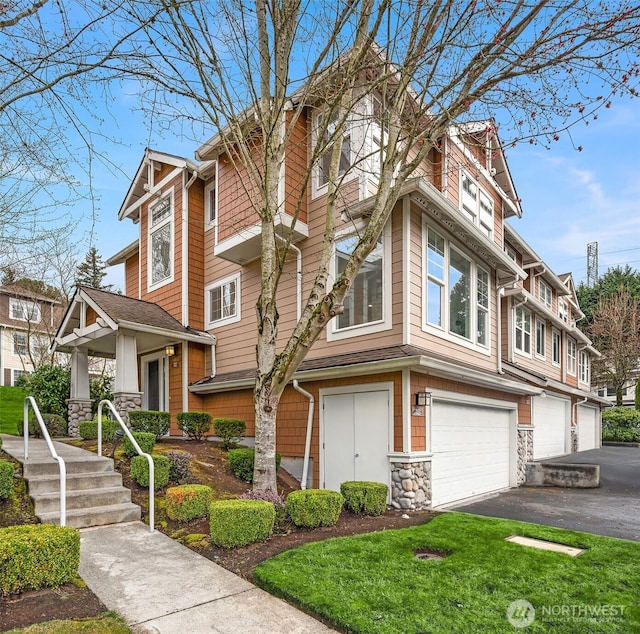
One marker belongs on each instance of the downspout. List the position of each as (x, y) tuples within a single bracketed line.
[(307, 444), (501, 288), (213, 360), (575, 409)]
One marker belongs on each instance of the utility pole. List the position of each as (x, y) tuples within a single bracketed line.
[(592, 263)]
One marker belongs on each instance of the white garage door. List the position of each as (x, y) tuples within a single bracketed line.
[(355, 437), (551, 426), (471, 450), (588, 428)]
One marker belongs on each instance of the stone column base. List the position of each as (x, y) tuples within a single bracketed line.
[(78, 410), (124, 402), (411, 485), (574, 439), (525, 452)]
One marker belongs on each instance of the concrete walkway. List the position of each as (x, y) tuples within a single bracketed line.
[(160, 586)]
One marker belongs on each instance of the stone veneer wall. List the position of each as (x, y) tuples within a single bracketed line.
[(78, 410), (410, 485), (124, 402), (525, 452)]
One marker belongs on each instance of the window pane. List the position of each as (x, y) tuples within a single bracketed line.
[(212, 205), (482, 328), (223, 301), (363, 302), (160, 211), (325, 159), (483, 288), (434, 303), (161, 254), (459, 295), (435, 255)]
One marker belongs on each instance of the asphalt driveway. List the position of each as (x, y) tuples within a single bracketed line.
[(613, 509)]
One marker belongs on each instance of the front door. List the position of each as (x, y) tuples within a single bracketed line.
[(154, 383)]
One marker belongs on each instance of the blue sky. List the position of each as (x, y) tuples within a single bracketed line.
[(569, 198)]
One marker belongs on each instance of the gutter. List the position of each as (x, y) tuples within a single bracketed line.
[(307, 443)]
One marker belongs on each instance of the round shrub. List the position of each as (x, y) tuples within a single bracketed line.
[(146, 441), (150, 421), (56, 426), (188, 501), (36, 556), (365, 498), (180, 469), (242, 461), (88, 429), (282, 523), (140, 471), (194, 424), (230, 431), (6, 479), (314, 507), (236, 523)]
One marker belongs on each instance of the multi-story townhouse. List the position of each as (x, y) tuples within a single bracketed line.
[(456, 359), (28, 322)]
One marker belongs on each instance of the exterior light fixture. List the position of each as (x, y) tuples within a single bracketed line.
[(423, 399), (170, 350)]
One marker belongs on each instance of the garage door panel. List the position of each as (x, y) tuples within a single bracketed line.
[(588, 428), (551, 424), (471, 450)]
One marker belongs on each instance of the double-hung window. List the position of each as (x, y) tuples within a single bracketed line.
[(211, 201), (571, 356), (476, 204), (328, 141), (544, 293), (222, 301), (563, 311), (161, 242), (457, 291), (584, 369), (20, 344), (541, 338), (23, 310), (556, 345), (523, 330)]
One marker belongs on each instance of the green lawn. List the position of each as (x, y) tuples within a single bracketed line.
[(11, 408), (375, 583)]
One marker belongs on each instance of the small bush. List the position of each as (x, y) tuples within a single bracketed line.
[(36, 556), (282, 522), (140, 471), (620, 434), (242, 460), (56, 426), (365, 498), (6, 479), (188, 502), (194, 424), (230, 430), (88, 429), (621, 417), (146, 441), (50, 385), (150, 421), (180, 469), (236, 523), (314, 507)]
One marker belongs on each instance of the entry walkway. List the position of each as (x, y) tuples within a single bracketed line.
[(160, 586)]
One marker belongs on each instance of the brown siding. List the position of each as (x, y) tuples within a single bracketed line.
[(131, 276), (196, 256), (92, 316), (295, 170)]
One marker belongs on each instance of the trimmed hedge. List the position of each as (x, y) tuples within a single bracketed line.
[(230, 430), (6, 479), (194, 424), (56, 426), (188, 502), (88, 429), (140, 471), (36, 556), (150, 421), (621, 417), (314, 507), (365, 498), (242, 461), (236, 523), (146, 441), (621, 434)]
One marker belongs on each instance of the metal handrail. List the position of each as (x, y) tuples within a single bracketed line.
[(63, 469), (135, 444)]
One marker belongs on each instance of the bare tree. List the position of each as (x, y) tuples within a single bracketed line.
[(615, 332), (248, 72)]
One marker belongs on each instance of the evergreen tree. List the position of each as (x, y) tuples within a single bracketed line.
[(92, 271)]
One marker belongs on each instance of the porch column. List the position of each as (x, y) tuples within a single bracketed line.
[(79, 403), (126, 393)]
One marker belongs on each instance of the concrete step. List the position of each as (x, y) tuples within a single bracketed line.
[(75, 482), (89, 498), (95, 516), (49, 467)]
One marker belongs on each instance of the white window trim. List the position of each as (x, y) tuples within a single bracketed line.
[(13, 344), (153, 229), (553, 361), (542, 355), (27, 306), (208, 224), (443, 332), (522, 352), (481, 191), (383, 324), (584, 369), (563, 311), (510, 253), (542, 285), (236, 277), (571, 341)]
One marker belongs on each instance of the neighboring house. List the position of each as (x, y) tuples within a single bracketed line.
[(456, 359), (28, 323)]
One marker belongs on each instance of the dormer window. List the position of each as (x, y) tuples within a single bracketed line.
[(476, 204), (544, 293)]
